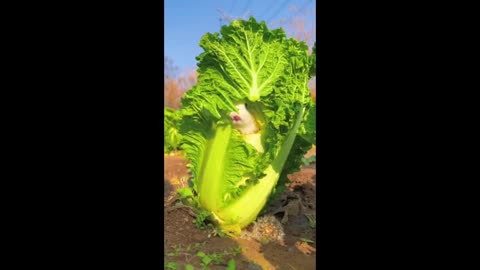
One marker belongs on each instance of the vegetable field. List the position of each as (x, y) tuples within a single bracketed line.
[(240, 155), (184, 240)]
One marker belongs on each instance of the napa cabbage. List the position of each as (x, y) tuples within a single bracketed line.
[(241, 120)]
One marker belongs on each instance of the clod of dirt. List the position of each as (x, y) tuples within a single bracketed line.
[(293, 207)]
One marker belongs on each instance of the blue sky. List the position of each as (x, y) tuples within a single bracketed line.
[(186, 21)]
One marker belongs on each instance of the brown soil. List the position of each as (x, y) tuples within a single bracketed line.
[(183, 240)]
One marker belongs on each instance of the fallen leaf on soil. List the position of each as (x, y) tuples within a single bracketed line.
[(305, 248), (251, 251), (175, 181)]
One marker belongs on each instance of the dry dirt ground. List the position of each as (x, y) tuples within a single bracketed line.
[(183, 240)]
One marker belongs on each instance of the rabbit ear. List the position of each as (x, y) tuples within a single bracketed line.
[(241, 106)]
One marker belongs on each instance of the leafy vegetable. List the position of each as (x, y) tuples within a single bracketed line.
[(170, 265), (171, 134), (240, 122), (308, 131), (231, 264), (307, 161), (313, 59)]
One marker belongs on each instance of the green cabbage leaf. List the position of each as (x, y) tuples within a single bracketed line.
[(171, 134)]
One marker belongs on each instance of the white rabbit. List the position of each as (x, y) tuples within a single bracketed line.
[(244, 121)]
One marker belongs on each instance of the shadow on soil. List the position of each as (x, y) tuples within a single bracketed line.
[(168, 189)]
